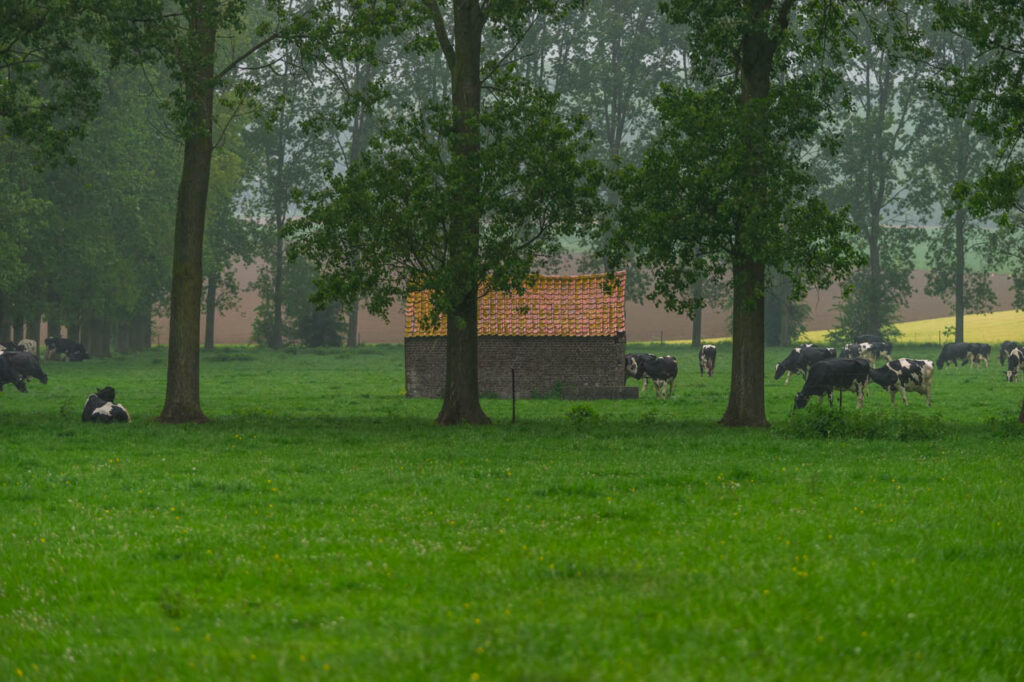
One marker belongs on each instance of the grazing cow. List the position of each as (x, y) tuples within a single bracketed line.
[(905, 374), (869, 350), (29, 346), (635, 367), (25, 364), (952, 352), (802, 357), (1004, 350), (1015, 364), (707, 359), (977, 352), (100, 407), (9, 375), (10, 345), (844, 374), (662, 371)]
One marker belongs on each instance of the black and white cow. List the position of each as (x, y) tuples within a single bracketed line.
[(29, 346), (707, 355), (635, 367), (869, 350), (905, 374), (1004, 350), (1015, 364), (801, 358), (953, 352), (662, 372), (9, 375), (100, 407), (842, 374), (870, 338), (25, 364), (978, 352)]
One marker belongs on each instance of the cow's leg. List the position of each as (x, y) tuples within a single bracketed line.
[(903, 392), (787, 378)]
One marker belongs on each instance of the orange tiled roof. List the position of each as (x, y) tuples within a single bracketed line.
[(556, 306)]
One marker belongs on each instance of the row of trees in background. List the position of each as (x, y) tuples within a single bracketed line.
[(733, 154)]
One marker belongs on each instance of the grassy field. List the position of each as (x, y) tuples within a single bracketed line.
[(320, 527)]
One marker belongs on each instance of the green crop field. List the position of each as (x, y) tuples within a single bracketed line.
[(321, 527)]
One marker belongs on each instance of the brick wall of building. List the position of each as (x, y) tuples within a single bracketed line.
[(587, 368)]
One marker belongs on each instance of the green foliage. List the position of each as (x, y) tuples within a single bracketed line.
[(383, 228), (872, 303), (48, 79), (691, 205), (304, 323)]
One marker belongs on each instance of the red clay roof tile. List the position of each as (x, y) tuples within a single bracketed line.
[(556, 306)]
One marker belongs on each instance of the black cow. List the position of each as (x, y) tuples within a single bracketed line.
[(905, 374), (635, 367), (25, 364), (952, 352), (977, 352), (71, 350), (1015, 364), (662, 371), (706, 358), (9, 375), (801, 358), (1004, 350), (100, 407), (844, 374)]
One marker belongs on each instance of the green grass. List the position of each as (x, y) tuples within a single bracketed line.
[(321, 527)]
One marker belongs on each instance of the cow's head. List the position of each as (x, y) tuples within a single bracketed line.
[(631, 367), (779, 370), (800, 401)]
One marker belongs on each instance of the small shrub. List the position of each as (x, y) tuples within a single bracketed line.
[(581, 412), (830, 422)]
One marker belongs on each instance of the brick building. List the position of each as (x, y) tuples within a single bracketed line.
[(564, 336)]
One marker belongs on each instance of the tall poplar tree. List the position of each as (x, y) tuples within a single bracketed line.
[(723, 190)]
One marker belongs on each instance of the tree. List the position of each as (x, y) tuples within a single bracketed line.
[(988, 92), (451, 197), (869, 173), (48, 85), (722, 190), (183, 36)]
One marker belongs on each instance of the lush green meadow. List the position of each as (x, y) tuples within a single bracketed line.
[(321, 527)]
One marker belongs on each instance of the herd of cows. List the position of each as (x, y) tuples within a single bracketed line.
[(19, 363), (854, 368)]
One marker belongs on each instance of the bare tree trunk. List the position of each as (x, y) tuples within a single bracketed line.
[(698, 317), (211, 309), (746, 390), (352, 332), (276, 337), (462, 392), (181, 402), (34, 326)]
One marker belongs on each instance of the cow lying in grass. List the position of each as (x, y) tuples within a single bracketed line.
[(100, 407)]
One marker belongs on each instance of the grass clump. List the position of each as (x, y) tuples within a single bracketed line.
[(823, 421)]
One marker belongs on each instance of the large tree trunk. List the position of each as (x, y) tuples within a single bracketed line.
[(181, 402), (276, 336), (462, 393), (746, 391), (698, 318), (211, 309)]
